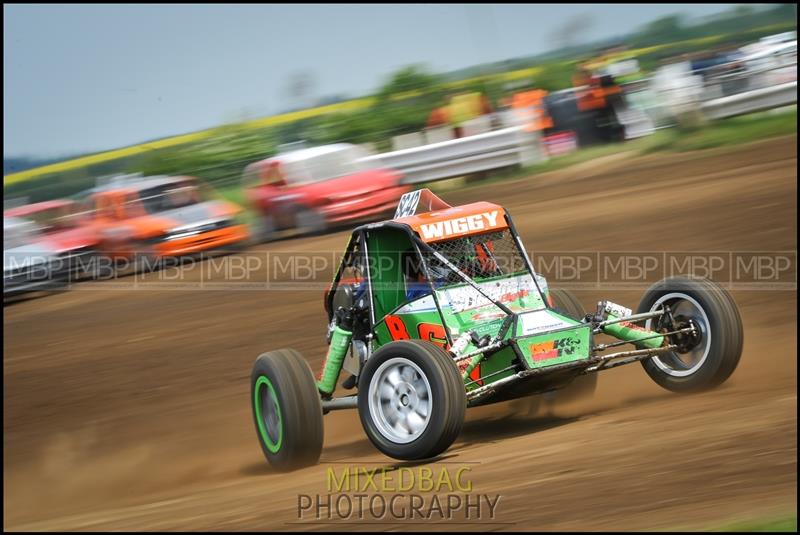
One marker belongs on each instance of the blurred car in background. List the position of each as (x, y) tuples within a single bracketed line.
[(64, 228), (147, 219), (313, 188), (31, 262)]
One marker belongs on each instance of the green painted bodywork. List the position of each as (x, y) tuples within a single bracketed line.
[(492, 364), (624, 331), (386, 250)]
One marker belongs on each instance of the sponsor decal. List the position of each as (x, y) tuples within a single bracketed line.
[(489, 315), (492, 314), (426, 304), (474, 375), (459, 225), (408, 204), (541, 321), (554, 348), (432, 332), (397, 329), (617, 310), (632, 326), (463, 298)]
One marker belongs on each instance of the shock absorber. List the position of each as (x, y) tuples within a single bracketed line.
[(337, 350)]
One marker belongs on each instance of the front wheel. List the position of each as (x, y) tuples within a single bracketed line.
[(702, 361), (411, 400), (286, 409)]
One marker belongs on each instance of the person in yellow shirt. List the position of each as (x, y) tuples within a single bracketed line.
[(464, 107)]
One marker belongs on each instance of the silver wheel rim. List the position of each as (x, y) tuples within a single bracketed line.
[(684, 364), (399, 400)]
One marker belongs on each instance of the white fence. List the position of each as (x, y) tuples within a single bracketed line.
[(456, 157), (734, 88), (750, 101)]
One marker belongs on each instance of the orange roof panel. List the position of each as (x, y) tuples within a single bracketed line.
[(458, 221)]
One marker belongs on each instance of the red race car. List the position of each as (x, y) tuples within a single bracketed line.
[(64, 232), (311, 189)]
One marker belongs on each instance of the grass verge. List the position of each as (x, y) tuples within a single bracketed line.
[(731, 131), (786, 523)]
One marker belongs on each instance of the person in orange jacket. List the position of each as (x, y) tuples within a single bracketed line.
[(438, 117), (530, 108), (461, 107)]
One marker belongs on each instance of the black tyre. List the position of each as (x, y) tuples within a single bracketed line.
[(310, 222), (264, 229), (705, 361), (566, 303), (287, 410), (411, 400)]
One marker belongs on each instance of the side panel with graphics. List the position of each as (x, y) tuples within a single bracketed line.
[(558, 347), (465, 309), (426, 325), (422, 325)]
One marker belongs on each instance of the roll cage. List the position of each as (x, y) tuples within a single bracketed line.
[(357, 256)]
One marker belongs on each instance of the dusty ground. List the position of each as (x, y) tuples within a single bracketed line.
[(126, 403)]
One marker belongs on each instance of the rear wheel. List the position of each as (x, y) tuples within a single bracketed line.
[(411, 400), (287, 410), (567, 303), (707, 359)]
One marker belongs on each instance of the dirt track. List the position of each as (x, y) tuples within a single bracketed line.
[(127, 408)]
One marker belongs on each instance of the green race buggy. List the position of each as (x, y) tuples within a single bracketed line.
[(439, 309)]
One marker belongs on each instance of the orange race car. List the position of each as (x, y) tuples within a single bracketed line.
[(148, 219)]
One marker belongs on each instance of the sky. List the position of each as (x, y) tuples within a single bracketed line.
[(86, 78)]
